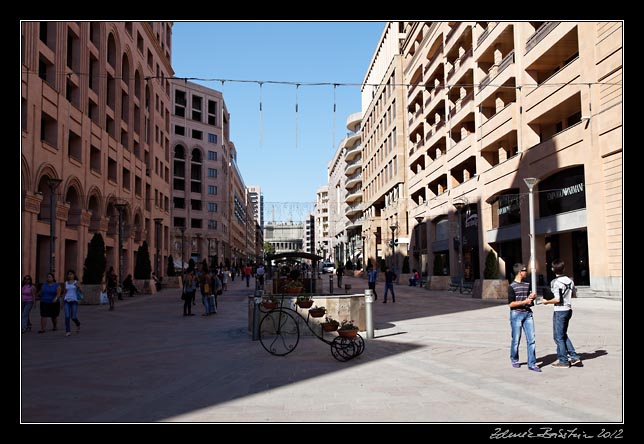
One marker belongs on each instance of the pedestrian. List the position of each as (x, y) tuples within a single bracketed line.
[(390, 277), (128, 285), (111, 283), (205, 288), (28, 292), (156, 280), (372, 278), (563, 289), (413, 278), (49, 306), (260, 276), (247, 272), (520, 299), (224, 278), (232, 273), (216, 287), (72, 287), (189, 290), (339, 272)]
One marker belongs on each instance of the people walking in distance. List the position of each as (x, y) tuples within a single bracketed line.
[(189, 290), (413, 279), (339, 272), (28, 294), (233, 270), (71, 302), (49, 306), (111, 282), (224, 278), (372, 278), (260, 276), (156, 280), (206, 291), (563, 288), (390, 277), (128, 286), (520, 299), (217, 288), (247, 272)]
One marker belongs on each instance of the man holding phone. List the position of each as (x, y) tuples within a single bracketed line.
[(520, 299)]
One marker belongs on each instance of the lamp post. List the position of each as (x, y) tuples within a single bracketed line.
[(52, 184), (364, 252), (183, 230), (531, 182), (419, 220), (393, 227), (119, 208), (157, 225), (459, 204)]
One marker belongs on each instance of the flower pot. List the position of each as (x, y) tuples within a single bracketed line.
[(328, 326), (350, 334), (317, 312), (293, 290), (305, 304), (269, 305)]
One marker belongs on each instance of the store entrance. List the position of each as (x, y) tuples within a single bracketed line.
[(572, 247)]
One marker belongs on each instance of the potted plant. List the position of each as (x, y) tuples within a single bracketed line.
[(317, 312), (304, 301), (293, 286), (330, 324), (491, 287), (348, 329), (269, 302)]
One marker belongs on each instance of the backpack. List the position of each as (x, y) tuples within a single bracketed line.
[(206, 288), (563, 292)]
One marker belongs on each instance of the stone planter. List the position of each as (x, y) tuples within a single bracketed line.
[(350, 334), (145, 286), (91, 294), (439, 282), (171, 282), (490, 289)]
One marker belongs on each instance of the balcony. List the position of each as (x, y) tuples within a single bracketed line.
[(459, 63), (495, 72), (556, 89), (539, 35), (483, 36), (350, 225), (354, 195), (464, 103), (433, 95), (434, 133), (351, 153), (498, 125), (350, 210), (353, 179), (460, 150), (352, 166), (455, 31)]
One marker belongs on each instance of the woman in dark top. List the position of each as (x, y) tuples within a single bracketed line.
[(49, 303), (110, 286)]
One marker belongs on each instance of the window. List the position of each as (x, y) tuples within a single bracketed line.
[(179, 130), (212, 207), (74, 146), (212, 113), (180, 103), (212, 189), (179, 202), (196, 134), (212, 172), (197, 103), (139, 42), (212, 224), (212, 155), (212, 138), (49, 130), (126, 179)]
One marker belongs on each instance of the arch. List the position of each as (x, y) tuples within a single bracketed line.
[(179, 151), (125, 69), (138, 227), (137, 84), (94, 206), (196, 154), (25, 173), (45, 172), (111, 50)]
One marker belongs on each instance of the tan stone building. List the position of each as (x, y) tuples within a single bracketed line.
[(493, 103), (322, 222), (95, 142), (384, 189)]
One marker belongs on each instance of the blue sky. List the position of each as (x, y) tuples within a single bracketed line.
[(336, 52)]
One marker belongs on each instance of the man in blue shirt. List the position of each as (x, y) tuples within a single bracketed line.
[(372, 278)]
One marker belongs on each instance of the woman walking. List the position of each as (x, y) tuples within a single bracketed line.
[(110, 283), (189, 290), (49, 305), (71, 302), (28, 299)]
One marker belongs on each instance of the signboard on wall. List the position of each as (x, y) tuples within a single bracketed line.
[(562, 192)]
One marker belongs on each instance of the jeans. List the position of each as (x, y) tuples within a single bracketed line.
[(26, 311), (389, 286), (206, 303), (560, 321), (522, 320), (248, 280), (372, 286), (71, 308)]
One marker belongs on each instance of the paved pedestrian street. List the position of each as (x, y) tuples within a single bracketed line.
[(437, 357)]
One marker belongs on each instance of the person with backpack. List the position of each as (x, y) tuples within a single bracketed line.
[(563, 289)]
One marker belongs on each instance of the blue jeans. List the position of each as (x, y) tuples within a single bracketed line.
[(206, 304), (389, 286), (26, 311), (522, 320), (71, 308), (560, 321)]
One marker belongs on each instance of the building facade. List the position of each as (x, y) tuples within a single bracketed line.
[(384, 189), (257, 199), (493, 103), (284, 237), (95, 154), (321, 211)]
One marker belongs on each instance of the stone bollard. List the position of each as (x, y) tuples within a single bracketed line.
[(331, 283), (256, 313), (368, 305)]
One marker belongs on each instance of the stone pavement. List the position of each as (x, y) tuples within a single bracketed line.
[(437, 357)]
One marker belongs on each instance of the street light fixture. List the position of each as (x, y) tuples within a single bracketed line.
[(531, 182), (393, 227), (459, 204), (52, 183), (157, 224), (419, 219), (119, 208)]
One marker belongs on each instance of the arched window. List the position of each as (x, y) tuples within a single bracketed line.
[(125, 69), (137, 84), (111, 51)]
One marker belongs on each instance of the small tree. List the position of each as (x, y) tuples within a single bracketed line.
[(491, 267), (405, 267), (438, 265), (95, 262), (191, 265), (170, 270), (204, 266), (143, 267)]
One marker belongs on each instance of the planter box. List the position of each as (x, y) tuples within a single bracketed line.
[(490, 289), (92, 294), (171, 282), (439, 282), (145, 286)]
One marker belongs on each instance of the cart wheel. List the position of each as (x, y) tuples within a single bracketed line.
[(343, 348), (359, 344), (279, 332)]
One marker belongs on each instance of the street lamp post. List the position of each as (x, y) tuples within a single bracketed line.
[(364, 252), (459, 204), (393, 227), (183, 230), (157, 225), (53, 185), (531, 182), (419, 219), (119, 208)]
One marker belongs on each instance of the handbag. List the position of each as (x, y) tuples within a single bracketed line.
[(79, 294), (103, 300)]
